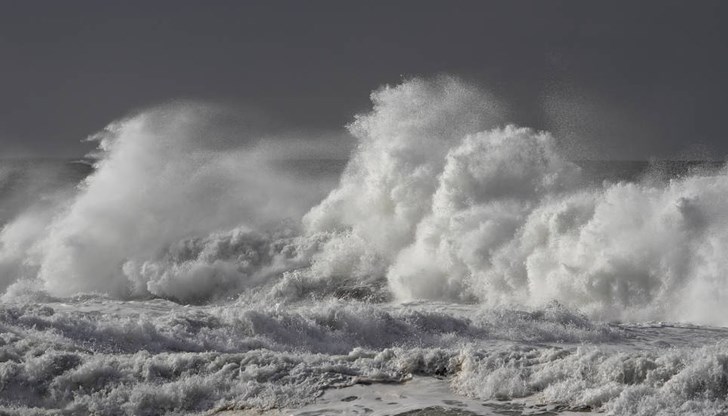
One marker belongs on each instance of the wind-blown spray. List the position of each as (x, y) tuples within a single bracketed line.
[(196, 270), (437, 202)]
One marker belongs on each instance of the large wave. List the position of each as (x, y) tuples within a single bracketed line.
[(440, 200)]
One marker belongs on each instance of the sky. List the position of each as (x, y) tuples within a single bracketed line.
[(618, 79)]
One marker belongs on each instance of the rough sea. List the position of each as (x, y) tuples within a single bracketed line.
[(453, 265)]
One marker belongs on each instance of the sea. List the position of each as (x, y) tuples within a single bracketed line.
[(451, 265)]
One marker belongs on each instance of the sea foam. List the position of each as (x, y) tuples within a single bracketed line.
[(194, 270), (439, 200)]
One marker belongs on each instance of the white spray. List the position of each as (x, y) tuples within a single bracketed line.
[(438, 201)]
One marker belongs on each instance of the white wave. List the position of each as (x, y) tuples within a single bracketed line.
[(438, 201), (453, 246), (96, 355), (178, 172), (499, 217)]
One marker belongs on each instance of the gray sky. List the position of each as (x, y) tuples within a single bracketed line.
[(634, 78)]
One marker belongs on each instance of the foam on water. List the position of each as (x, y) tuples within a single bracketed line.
[(96, 355), (194, 270)]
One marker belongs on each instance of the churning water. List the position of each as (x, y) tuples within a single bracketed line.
[(201, 267)]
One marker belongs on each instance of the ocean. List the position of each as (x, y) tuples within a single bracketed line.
[(450, 266)]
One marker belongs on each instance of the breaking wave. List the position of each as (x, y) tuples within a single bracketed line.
[(195, 268), (438, 201)]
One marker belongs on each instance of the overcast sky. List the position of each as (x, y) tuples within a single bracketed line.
[(633, 78)]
